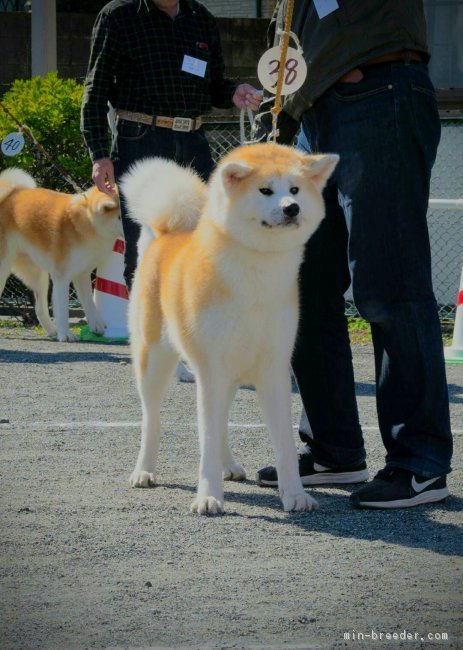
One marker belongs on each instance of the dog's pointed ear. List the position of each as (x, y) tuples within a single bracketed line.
[(320, 167), (110, 205), (106, 202), (234, 172)]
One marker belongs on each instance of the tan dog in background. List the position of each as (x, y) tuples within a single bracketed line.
[(45, 233), (218, 287)]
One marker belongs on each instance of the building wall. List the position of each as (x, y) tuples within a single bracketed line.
[(243, 41)]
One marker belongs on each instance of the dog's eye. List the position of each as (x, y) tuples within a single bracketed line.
[(294, 190), (266, 191)]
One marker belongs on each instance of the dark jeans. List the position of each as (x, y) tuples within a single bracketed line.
[(137, 141), (386, 130)]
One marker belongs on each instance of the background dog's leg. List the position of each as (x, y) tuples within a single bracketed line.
[(40, 287), (5, 270), (60, 300), (274, 394), (154, 369), (183, 373), (232, 470), (213, 406), (38, 280), (83, 286)]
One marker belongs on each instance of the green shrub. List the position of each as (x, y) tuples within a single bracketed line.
[(50, 107)]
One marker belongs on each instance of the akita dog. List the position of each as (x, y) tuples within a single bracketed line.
[(218, 287), (45, 233)]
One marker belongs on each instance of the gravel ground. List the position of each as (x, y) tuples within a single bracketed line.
[(88, 562)]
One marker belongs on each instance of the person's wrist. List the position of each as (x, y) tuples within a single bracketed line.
[(98, 156)]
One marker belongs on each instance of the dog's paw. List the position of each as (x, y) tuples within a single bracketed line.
[(299, 502), (69, 336), (97, 326), (234, 472), (183, 373), (140, 478), (51, 331), (205, 505)]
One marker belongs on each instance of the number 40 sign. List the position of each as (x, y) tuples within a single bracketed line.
[(269, 67), (12, 144)]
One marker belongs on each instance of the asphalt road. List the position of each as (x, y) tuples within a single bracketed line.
[(88, 562)]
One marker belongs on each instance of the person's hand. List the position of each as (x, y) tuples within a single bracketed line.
[(103, 175), (287, 126), (246, 96)]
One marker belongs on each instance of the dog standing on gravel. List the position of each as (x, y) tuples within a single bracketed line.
[(45, 233), (218, 287)]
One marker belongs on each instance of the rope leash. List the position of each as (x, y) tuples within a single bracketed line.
[(276, 109), (26, 130), (242, 129)]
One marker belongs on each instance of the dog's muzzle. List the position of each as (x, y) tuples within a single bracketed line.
[(285, 216)]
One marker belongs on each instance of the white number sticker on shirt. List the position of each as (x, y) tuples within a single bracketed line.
[(294, 74), (194, 66), (12, 144), (325, 7)]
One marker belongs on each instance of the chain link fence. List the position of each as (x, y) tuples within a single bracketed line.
[(445, 226), (15, 5)]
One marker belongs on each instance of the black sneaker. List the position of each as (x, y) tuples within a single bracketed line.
[(312, 473), (399, 488)]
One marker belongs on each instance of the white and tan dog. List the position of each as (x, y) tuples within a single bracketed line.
[(218, 287), (45, 233)]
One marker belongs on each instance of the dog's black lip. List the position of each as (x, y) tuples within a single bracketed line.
[(279, 225)]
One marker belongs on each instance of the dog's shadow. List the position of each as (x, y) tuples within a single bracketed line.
[(336, 516), (21, 356)]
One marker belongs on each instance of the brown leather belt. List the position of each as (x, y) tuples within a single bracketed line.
[(184, 124), (356, 74), (404, 55)]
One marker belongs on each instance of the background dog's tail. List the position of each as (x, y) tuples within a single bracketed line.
[(14, 179), (163, 196)]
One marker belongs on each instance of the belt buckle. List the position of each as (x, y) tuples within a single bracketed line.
[(184, 124)]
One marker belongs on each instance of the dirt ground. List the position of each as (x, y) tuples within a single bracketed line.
[(88, 562)]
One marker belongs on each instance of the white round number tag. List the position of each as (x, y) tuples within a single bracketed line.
[(12, 144), (294, 74)]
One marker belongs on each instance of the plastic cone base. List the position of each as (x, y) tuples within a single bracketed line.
[(453, 354)]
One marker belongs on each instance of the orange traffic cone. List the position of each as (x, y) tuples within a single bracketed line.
[(454, 353), (111, 293)]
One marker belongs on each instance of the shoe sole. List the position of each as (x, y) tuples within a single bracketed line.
[(426, 497), (324, 478)]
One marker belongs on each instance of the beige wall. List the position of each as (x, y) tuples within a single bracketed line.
[(239, 8)]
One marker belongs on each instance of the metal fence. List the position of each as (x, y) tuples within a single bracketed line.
[(445, 226), (15, 5)]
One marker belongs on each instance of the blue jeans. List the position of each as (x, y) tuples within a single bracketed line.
[(386, 130), (136, 141)]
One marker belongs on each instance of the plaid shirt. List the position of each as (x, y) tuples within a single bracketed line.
[(135, 63)]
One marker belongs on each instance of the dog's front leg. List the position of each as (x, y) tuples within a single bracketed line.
[(274, 393), (83, 286), (40, 287), (232, 470), (60, 300), (212, 421)]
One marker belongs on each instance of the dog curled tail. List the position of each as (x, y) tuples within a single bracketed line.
[(14, 179), (163, 198)]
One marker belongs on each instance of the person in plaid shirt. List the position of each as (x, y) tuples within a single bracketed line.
[(160, 65)]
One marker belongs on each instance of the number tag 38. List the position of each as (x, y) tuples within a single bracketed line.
[(294, 75)]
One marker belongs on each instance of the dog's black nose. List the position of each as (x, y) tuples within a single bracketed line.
[(291, 211)]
